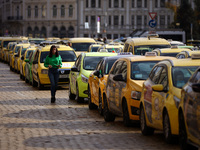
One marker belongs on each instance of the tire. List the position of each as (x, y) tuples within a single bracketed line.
[(143, 126), (108, 116), (90, 104), (34, 83), (169, 138), (40, 86), (100, 107), (126, 119), (26, 80), (77, 98), (183, 135), (71, 96), (20, 76)]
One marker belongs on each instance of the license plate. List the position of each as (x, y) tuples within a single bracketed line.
[(64, 76)]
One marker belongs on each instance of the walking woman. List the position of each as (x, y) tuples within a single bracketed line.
[(53, 61)]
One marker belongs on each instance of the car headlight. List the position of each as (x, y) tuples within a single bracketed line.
[(135, 95), (44, 71), (84, 78)]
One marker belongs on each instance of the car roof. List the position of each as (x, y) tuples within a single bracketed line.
[(82, 40), (59, 47), (172, 50), (183, 62), (93, 54)]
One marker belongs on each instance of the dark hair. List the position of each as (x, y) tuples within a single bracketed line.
[(51, 49)]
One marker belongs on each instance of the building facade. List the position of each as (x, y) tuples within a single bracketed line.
[(78, 18)]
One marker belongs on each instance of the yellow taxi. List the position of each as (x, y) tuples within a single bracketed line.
[(170, 51), (93, 48), (161, 95), (40, 73), (13, 55), (189, 113), (10, 48), (98, 79), (17, 57), (114, 47), (124, 86), (80, 45), (139, 46), (186, 54), (24, 60)]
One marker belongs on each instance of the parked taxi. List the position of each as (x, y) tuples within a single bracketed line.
[(186, 54), (139, 46), (170, 51), (189, 113), (98, 79), (40, 73), (17, 57), (161, 95), (24, 59), (124, 86), (80, 45), (79, 74), (93, 48), (10, 48)]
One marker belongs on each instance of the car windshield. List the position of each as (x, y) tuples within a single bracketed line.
[(28, 53), (67, 56), (17, 49), (94, 49), (141, 70), (180, 75), (5, 43), (169, 54), (108, 65), (90, 62), (23, 51), (81, 46), (141, 50), (36, 41)]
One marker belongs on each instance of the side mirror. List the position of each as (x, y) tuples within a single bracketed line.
[(35, 62), (16, 55), (96, 73), (22, 58), (118, 77), (26, 60), (158, 87), (196, 87), (75, 69)]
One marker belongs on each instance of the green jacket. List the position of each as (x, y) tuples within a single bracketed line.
[(53, 61)]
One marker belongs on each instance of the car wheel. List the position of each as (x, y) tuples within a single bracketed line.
[(167, 129), (108, 116), (183, 135), (77, 98), (34, 83), (143, 126), (90, 104), (100, 108), (126, 119), (20, 76), (40, 86), (71, 96)]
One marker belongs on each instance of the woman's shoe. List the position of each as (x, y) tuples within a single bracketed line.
[(53, 99)]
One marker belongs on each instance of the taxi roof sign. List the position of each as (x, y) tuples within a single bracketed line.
[(150, 54), (195, 56), (103, 50), (125, 53)]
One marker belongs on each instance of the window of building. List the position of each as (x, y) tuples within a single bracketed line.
[(139, 20), (86, 18), (70, 10), (133, 3), (116, 3), (36, 11), (17, 9), (109, 3), (62, 11), (54, 10), (116, 20), (99, 3), (29, 11), (168, 20), (86, 3), (109, 20), (156, 3), (162, 3), (93, 20), (162, 20), (93, 3), (145, 20), (43, 10), (145, 3), (122, 3), (109, 36), (139, 3), (122, 20), (132, 20)]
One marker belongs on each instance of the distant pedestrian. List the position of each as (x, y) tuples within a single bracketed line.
[(105, 40), (53, 61)]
